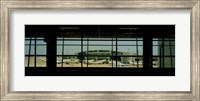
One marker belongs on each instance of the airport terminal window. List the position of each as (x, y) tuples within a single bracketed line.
[(130, 52), (35, 52), (122, 48), (92, 51), (67, 52), (163, 52), (97, 52)]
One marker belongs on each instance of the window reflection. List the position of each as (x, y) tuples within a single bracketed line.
[(163, 53)]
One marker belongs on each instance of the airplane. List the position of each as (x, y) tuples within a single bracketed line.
[(59, 62), (118, 63)]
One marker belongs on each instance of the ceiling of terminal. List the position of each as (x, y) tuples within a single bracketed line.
[(99, 31)]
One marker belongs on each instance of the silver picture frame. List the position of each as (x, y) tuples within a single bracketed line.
[(6, 6)]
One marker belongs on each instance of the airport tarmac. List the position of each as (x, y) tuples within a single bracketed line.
[(41, 62)]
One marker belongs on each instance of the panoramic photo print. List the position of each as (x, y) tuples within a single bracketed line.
[(99, 50)]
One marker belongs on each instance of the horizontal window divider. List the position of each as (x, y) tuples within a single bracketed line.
[(104, 55), (33, 66), (100, 40), (164, 40), (96, 40), (99, 55), (34, 39), (67, 55), (95, 45), (129, 40), (130, 56), (83, 40), (163, 45), (114, 55), (35, 55), (98, 45), (85, 45), (129, 45), (164, 56), (69, 45), (36, 44), (114, 39), (69, 40)]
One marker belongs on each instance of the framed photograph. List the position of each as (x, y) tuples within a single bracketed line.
[(100, 50)]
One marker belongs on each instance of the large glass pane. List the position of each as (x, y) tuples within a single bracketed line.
[(156, 50), (97, 61), (127, 39), (40, 41), (173, 50), (27, 45), (27, 50), (32, 52), (167, 51), (59, 61), (157, 42), (167, 62), (70, 47), (167, 38), (100, 43), (41, 50), (31, 61), (72, 50), (140, 50), (68, 61), (172, 42), (41, 61), (59, 46), (129, 62), (100, 50), (156, 62), (173, 62), (167, 43), (126, 43), (97, 52), (127, 50), (139, 42), (155, 39), (138, 62), (26, 61), (99, 39)]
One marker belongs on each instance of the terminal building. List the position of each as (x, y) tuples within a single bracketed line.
[(107, 55)]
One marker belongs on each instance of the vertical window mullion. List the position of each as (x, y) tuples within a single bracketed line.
[(137, 51), (63, 47), (87, 50), (163, 53), (116, 39), (170, 52), (81, 50), (35, 53), (30, 44), (112, 52), (160, 66)]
